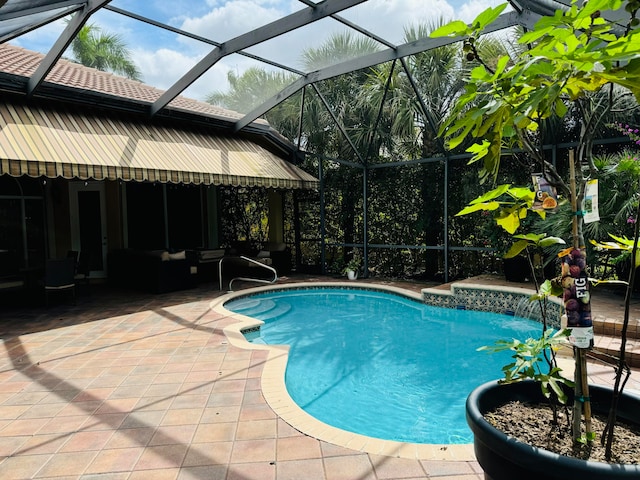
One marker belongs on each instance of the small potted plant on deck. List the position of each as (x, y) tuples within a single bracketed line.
[(352, 268), (577, 60)]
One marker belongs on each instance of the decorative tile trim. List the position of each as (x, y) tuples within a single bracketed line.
[(497, 299)]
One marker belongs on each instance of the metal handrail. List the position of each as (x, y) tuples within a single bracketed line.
[(247, 279)]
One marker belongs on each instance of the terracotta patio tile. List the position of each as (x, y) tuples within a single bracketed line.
[(298, 448), (46, 410), (184, 416), (105, 381), (93, 394), (256, 429), (210, 472), (215, 432), (256, 412), (127, 391), (163, 390), (29, 426), (392, 468), (221, 414), (176, 377), (253, 451), (77, 408), (117, 405), (147, 370), (196, 388), (130, 437), (12, 411), (174, 367), (161, 456), (105, 421), (202, 376), (86, 441), (167, 435), (213, 453), (349, 467), (72, 464), (229, 386), (40, 444), (290, 470), (10, 444), (253, 397), (435, 468), (115, 460), (149, 418), (160, 474), (26, 398), (22, 467), (252, 471), (190, 401), (226, 398), (153, 403)]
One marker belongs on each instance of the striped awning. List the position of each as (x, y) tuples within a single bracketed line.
[(41, 141)]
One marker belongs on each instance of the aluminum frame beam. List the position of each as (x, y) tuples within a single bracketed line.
[(274, 29), (504, 21), (63, 41)]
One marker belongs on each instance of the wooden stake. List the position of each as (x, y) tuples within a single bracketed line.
[(581, 403)]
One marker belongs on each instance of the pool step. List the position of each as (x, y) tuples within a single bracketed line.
[(263, 309), (276, 312), (252, 307)]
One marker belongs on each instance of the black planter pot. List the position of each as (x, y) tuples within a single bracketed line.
[(516, 269), (504, 458)]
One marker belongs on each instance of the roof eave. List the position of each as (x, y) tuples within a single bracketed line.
[(259, 132)]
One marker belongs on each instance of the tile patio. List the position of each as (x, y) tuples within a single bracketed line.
[(126, 386)]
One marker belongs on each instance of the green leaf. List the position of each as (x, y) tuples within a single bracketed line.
[(532, 237), (451, 29), (509, 222), (488, 16), (477, 207), (548, 241), (516, 248), (537, 33), (492, 194)]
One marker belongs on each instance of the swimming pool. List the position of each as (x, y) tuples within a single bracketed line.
[(381, 364)]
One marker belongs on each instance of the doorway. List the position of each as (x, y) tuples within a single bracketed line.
[(88, 224)]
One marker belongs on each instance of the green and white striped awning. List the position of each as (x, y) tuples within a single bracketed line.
[(54, 142)]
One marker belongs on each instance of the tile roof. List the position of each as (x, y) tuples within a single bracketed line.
[(19, 61)]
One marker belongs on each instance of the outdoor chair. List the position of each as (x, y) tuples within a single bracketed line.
[(82, 263), (59, 277)]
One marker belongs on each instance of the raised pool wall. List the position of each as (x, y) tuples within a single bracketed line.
[(497, 299)]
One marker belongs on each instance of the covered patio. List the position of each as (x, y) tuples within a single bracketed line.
[(129, 385)]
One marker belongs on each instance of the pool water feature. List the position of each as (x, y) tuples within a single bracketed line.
[(380, 364)]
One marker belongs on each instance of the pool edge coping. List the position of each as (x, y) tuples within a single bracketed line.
[(276, 395)]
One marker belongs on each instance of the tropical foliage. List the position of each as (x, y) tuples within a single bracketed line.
[(103, 51), (387, 118)]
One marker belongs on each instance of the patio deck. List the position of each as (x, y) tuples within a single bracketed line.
[(126, 385)]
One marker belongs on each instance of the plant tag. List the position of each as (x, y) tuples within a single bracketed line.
[(591, 213), (581, 337)]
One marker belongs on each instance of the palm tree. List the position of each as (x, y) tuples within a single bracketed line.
[(248, 90), (103, 51)]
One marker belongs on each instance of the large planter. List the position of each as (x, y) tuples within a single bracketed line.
[(504, 458), (516, 269)]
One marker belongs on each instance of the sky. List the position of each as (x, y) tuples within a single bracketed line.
[(163, 57)]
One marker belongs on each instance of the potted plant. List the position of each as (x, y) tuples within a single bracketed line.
[(352, 268), (577, 60)]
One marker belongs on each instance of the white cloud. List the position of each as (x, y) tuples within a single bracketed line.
[(470, 10), (164, 67), (233, 19), (164, 57)]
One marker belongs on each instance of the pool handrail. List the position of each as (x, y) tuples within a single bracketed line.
[(248, 279)]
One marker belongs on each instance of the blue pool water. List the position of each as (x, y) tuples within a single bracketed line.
[(380, 364)]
